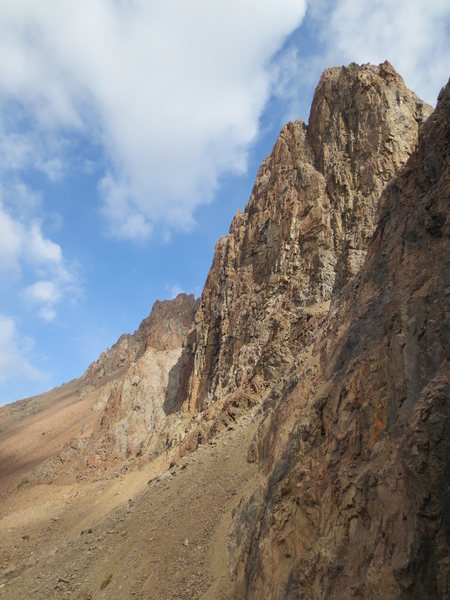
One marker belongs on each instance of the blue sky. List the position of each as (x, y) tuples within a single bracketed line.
[(130, 133)]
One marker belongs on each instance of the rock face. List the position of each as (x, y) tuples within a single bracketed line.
[(304, 232), (140, 398), (357, 503), (163, 330), (132, 388), (149, 365)]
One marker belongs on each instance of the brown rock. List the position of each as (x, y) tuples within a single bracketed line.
[(142, 396), (164, 329), (357, 502), (131, 387), (312, 386), (304, 232)]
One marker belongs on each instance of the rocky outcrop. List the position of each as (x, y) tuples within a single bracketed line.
[(362, 128), (164, 329), (139, 400), (304, 232), (131, 388), (357, 502)]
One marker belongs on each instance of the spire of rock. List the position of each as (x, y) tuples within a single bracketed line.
[(304, 232)]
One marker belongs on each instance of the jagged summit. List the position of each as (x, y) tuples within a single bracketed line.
[(305, 230), (163, 329), (287, 435), (356, 504)]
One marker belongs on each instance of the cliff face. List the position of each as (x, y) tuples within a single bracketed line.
[(147, 378), (163, 330), (304, 232), (357, 501), (146, 366), (131, 389)]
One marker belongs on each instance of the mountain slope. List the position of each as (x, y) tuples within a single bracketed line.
[(286, 436), (357, 502), (92, 424)]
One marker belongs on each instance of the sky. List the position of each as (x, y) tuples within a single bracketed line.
[(131, 131)]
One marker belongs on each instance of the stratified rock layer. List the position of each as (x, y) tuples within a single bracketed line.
[(304, 232)]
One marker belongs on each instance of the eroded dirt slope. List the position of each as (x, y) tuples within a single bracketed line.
[(133, 536), (33, 430)]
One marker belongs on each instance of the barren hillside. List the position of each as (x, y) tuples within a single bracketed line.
[(287, 435)]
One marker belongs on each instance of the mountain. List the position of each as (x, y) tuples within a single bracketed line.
[(94, 423), (304, 232), (286, 435), (357, 503)]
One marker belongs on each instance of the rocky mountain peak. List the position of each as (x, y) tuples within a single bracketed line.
[(304, 232), (357, 502), (363, 126), (164, 329)]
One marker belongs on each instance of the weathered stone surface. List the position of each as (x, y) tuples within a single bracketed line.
[(164, 329), (304, 232), (132, 388), (362, 128), (139, 399), (357, 501)]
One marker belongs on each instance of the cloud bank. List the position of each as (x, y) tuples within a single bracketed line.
[(171, 91)]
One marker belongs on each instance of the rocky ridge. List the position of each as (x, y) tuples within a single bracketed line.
[(131, 389), (137, 401), (322, 331), (304, 232), (357, 504), (164, 329)]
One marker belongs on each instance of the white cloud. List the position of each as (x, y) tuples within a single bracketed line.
[(47, 314), (44, 294), (23, 246), (11, 241), (173, 290), (411, 34), (22, 149), (53, 168), (173, 91), (40, 249), (14, 362), (25, 200), (43, 291)]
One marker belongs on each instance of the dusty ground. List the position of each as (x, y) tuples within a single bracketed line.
[(34, 429), (125, 537)]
